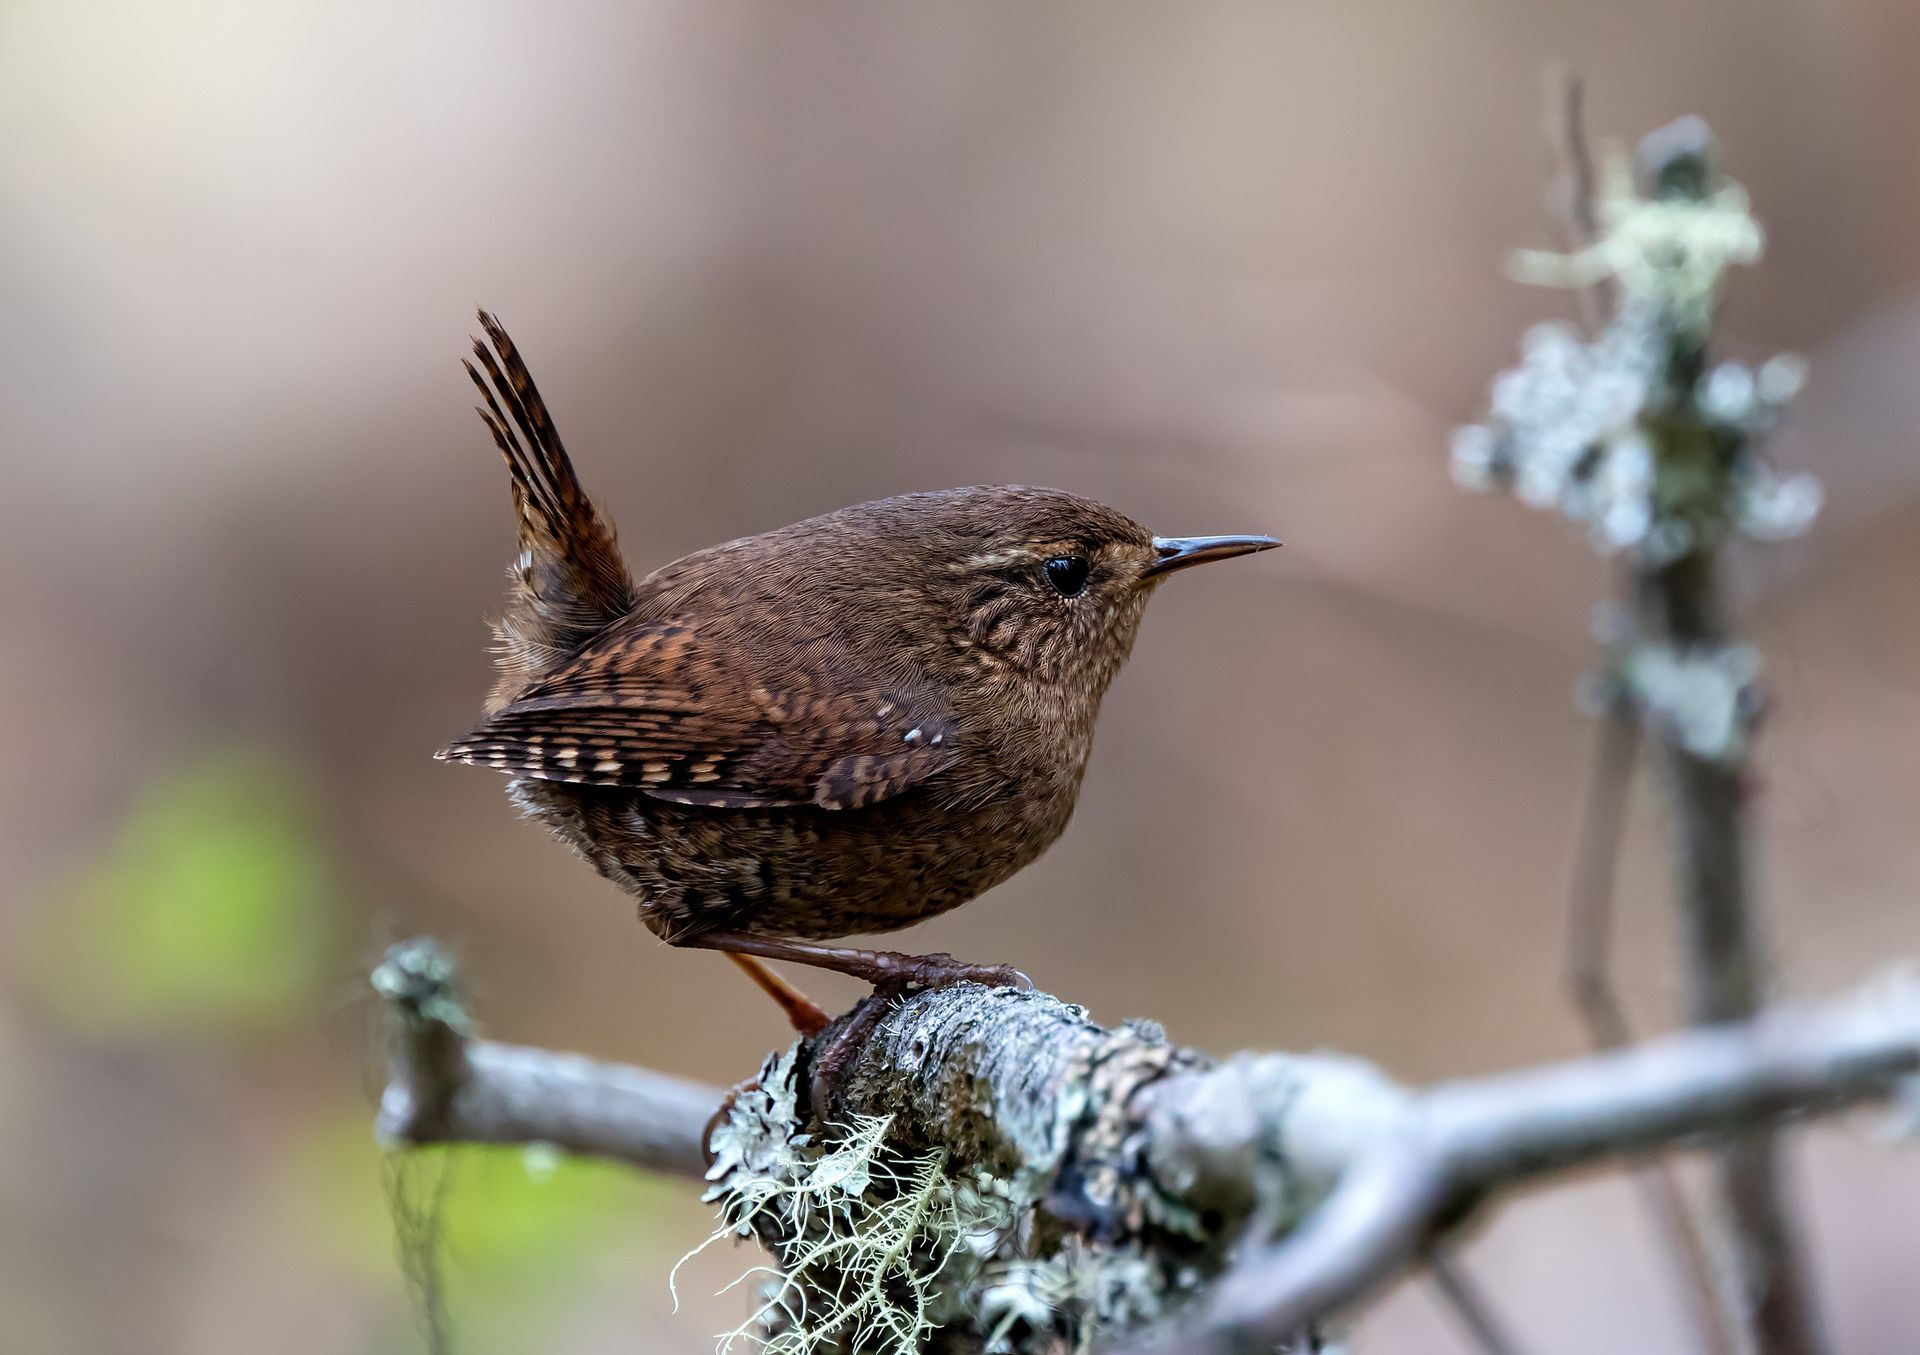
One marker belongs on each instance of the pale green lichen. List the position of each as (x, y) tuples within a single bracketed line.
[(1672, 250), (1637, 434), (418, 978), (1066, 1299), (1629, 432), (1116, 1176), (871, 1242), (877, 1245)]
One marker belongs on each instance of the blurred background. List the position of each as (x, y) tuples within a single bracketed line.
[(1228, 266)]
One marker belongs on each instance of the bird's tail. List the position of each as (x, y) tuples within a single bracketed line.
[(569, 581)]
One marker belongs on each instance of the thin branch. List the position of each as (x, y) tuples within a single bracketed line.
[(1667, 475), (1727, 976), (1572, 189), (1667, 1202), (446, 1087), (1590, 890), (1596, 854), (1459, 1142), (1596, 851)]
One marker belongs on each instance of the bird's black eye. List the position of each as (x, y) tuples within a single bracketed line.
[(1067, 574)]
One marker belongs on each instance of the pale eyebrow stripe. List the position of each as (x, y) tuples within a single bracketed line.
[(1030, 552), (994, 559)]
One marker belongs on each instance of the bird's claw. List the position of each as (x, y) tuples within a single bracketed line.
[(940, 970)]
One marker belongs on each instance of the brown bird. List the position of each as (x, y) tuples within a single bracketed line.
[(842, 726)]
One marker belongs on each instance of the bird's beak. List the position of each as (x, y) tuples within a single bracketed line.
[(1180, 552)]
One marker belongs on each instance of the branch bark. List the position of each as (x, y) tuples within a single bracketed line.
[(1459, 1142), (446, 1086), (1726, 968)]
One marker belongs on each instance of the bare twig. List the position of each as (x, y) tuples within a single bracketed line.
[(1667, 1203), (1596, 854), (1590, 890), (1573, 186), (445, 1086)]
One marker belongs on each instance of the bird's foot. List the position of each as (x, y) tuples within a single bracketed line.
[(893, 976), (939, 970), (886, 970)]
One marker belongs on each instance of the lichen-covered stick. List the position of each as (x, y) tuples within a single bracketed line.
[(1616, 743), (1659, 452), (1102, 1177)]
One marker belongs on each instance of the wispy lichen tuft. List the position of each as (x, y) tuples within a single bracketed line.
[(871, 1242), (880, 1243)]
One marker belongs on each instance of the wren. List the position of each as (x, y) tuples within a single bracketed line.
[(842, 726)]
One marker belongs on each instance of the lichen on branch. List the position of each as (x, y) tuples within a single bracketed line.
[(991, 1171), (1630, 432)]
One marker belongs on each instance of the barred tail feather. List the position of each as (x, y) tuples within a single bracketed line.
[(569, 581)]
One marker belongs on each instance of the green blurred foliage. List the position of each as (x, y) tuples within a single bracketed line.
[(204, 913), (493, 1241)]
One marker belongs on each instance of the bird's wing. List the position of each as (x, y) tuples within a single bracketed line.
[(668, 708)]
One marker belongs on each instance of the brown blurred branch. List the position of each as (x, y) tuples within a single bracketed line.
[(1680, 607), (1633, 433), (1596, 849), (1727, 974)]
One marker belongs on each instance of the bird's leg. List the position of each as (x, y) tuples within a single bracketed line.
[(805, 1014), (881, 968)]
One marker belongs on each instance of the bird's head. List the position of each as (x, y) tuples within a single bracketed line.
[(1047, 584)]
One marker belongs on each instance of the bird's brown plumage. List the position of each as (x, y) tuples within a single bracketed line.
[(844, 725)]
